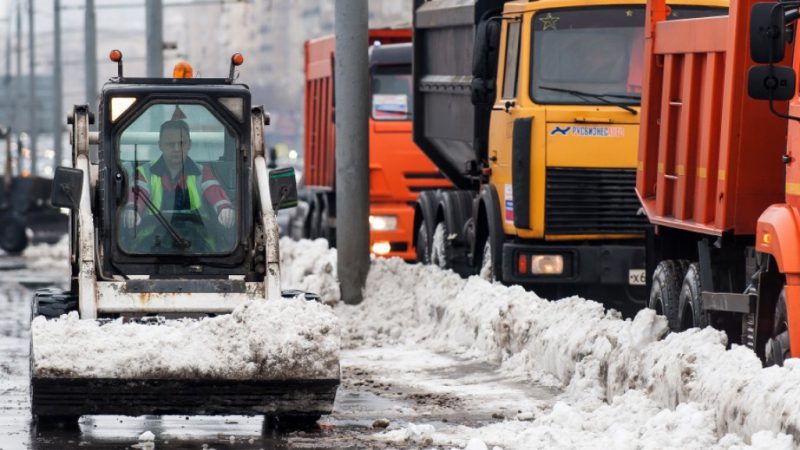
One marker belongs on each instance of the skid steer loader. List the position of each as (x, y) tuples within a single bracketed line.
[(175, 223)]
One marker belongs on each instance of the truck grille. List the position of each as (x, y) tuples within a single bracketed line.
[(592, 201)]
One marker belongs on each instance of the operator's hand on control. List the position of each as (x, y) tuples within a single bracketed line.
[(131, 218), (227, 217)]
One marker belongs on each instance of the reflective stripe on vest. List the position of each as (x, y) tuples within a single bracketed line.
[(157, 189)]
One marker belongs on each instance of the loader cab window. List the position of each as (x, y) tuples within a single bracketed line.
[(593, 55), (391, 93), (180, 196)]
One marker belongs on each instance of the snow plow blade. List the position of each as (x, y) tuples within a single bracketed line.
[(76, 397)]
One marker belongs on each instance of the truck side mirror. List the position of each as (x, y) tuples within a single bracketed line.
[(283, 188), (67, 188), (771, 82), (767, 33)]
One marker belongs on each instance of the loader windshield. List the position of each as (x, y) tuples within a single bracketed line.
[(594, 51), (181, 192)]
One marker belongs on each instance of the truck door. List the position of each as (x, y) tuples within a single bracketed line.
[(511, 130)]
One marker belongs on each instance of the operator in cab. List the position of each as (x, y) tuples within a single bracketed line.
[(176, 203)]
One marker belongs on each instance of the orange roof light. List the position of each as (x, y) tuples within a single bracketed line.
[(115, 56), (182, 70), (237, 59)]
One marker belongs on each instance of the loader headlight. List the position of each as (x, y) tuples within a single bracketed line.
[(547, 264), (382, 223)]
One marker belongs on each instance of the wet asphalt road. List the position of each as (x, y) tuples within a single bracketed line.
[(376, 383)]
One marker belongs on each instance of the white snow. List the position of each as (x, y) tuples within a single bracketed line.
[(625, 385), (312, 268), (147, 436), (262, 340)]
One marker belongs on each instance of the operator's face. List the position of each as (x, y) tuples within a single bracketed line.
[(175, 145)]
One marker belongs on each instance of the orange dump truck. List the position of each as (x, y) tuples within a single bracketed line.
[(718, 179), (398, 169)]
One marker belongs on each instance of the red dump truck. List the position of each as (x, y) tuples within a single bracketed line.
[(398, 169), (717, 177)]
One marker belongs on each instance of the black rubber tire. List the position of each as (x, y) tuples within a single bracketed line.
[(441, 254), (53, 423), (53, 303), (690, 303), (13, 239), (665, 291), (315, 221), (423, 247), (291, 422), (777, 348)]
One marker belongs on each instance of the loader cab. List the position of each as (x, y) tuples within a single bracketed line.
[(176, 157)]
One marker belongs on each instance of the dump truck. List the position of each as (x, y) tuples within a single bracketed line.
[(718, 178), (398, 169), (25, 204), (535, 120), (175, 303)]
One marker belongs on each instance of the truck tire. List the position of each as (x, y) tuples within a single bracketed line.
[(778, 349), (423, 244), (690, 303), (440, 247), (13, 239), (53, 303), (665, 291)]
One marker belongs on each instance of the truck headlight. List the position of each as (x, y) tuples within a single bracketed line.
[(382, 223), (381, 248), (547, 264)]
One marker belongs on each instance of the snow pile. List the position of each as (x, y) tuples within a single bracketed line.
[(310, 266), (259, 340), (600, 359)]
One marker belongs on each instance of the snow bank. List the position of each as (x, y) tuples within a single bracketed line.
[(259, 340), (310, 266), (591, 352)]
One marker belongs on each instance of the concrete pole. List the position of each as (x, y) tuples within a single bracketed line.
[(58, 86), (155, 38), (18, 81), (352, 147), (90, 53), (33, 129)]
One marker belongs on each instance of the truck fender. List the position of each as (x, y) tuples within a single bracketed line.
[(778, 234), (489, 225), (456, 209)]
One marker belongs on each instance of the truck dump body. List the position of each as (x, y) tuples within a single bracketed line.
[(697, 147), (447, 126)]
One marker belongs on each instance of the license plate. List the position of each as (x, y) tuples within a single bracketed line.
[(637, 277)]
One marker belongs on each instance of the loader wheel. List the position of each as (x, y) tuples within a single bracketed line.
[(291, 422), (665, 291), (777, 349), (440, 247), (53, 303), (13, 239), (423, 244), (52, 423), (690, 303)]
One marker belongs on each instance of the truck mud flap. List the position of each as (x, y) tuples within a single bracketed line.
[(75, 397)]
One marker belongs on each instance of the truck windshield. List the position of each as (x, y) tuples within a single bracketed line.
[(391, 93), (596, 51), (181, 191)]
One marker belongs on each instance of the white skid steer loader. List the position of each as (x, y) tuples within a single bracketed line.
[(175, 304)]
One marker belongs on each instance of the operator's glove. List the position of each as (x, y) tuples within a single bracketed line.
[(131, 218), (227, 218)]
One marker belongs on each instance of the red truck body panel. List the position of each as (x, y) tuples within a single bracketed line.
[(398, 168), (709, 156)]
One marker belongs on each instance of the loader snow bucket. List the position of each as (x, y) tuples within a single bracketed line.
[(277, 358)]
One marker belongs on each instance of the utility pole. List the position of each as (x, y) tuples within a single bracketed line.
[(352, 147), (90, 52), (34, 129), (155, 38), (18, 82), (58, 86)]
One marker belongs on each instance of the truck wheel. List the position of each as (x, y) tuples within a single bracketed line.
[(314, 231), (777, 349), (665, 291), (440, 247), (13, 239), (423, 244), (690, 303), (53, 303), (488, 271)]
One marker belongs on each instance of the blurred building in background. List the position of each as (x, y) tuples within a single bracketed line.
[(270, 34)]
